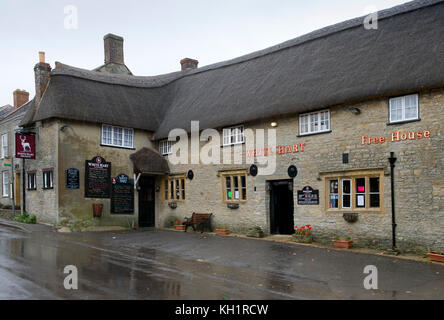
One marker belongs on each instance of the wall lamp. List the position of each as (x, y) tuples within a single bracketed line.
[(355, 110), (64, 127), (274, 124)]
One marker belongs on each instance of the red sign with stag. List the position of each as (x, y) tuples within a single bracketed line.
[(24, 146)]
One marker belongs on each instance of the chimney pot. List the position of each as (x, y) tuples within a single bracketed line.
[(189, 64), (42, 57), (20, 98), (113, 49)]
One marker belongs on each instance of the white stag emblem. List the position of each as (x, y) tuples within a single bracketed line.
[(25, 145)]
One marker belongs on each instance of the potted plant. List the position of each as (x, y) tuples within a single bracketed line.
[(222, 230), (303, 234), (436, 256), (180, 226), (345, 243), (255, 232)]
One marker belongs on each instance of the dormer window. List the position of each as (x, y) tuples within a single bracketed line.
[(117, 137)]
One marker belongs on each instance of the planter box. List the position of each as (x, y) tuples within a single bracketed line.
[(222, 232), (255, 234), (343, 244), (436, 256), (302, 239), (180, 227)]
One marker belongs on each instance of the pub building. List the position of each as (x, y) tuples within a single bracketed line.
[(342, 99)]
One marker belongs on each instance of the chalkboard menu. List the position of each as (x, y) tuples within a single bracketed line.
[(122, 195), (308, 196), (97, 178), (72, 178)]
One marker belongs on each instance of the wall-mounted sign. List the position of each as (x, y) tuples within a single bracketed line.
[(280, 150), (397, 136), (72, 178), (97, 178), (122, 195), (24, 146), (308, 196)]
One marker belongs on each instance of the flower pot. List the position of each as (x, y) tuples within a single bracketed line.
[(343, 244), (436, 256), (97, 210), (307, 238), (180, 227), (222, 232)]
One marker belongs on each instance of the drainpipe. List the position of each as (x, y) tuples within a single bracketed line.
[(392, 161)]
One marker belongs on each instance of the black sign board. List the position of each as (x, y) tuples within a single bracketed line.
[(72, 178), (308, 196), (122, 195), (97, 178)]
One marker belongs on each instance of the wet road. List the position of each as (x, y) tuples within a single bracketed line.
[(155, 264)]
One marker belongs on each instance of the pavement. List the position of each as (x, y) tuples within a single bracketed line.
[(159, 264)]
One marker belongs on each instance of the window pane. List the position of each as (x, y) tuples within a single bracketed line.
[(360, 193), (106, 135), (172, 189), (128, 135), (346, 186), (374, 184), (182, 185), (411, 107), (374, 200), (177, 190), (334, 186), (228, 187), (244, 188), (334, 196), (360, 185), (346, 201), (117, 136), (166, 189), (396, 109), (236, 188)]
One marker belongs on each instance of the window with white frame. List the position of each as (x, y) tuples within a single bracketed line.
[(48, 179), (165, 147), (5, 183), (117, 136), (233, 135), (314, 122), (32, 182), (4, 145), (404, 108)]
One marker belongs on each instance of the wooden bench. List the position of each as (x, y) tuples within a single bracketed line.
[(198, 220)]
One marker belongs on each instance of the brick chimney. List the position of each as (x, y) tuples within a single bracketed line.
[(188, 64), (42, 72), (20, 98), (113, 49)]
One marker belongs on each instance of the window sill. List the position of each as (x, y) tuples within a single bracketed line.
[(402, 122), (117, 147), (48, 188), (355, 210), (231, 145), (31, 189), (313, 134)]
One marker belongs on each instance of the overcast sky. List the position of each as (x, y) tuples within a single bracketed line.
[(158, 34)]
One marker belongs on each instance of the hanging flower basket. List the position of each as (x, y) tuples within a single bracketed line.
[(436, 256)]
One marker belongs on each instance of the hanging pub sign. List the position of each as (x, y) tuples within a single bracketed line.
[(24, 146), (97, 178), (122, 195), (308, 196), (72, 178)]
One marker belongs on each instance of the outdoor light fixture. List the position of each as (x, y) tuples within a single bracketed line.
[(355, 110), (274, 124)]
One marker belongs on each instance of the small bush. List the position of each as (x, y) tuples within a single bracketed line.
[(26, 218)]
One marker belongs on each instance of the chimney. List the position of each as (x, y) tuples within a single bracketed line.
[(20, 98), (189, 64), (113, 49), (42, 72)]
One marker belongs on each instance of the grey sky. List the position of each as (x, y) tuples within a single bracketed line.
[(157, 33)]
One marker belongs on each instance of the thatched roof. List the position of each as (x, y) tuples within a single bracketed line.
[(149, 161), (338, 64)]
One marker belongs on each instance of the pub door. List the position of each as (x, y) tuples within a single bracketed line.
[(146, 202), (281, 207)]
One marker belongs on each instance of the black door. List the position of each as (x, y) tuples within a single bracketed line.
[(146, 202), (281, 207)]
